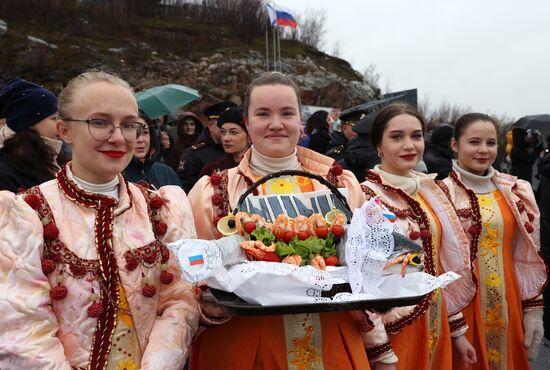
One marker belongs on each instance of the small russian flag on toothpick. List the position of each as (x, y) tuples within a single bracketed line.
[(196, 260)]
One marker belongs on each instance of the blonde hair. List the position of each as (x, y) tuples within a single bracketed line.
[(66, 97)]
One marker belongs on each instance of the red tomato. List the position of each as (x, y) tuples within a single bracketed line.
[(249, 227), (321, 231), (271, 257), (338, 230), (303, 235), (288, 236), (331, 260), (280, 234)]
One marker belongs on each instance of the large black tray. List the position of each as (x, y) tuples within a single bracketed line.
[(237, 306)]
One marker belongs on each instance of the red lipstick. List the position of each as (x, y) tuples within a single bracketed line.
[(113, 153)]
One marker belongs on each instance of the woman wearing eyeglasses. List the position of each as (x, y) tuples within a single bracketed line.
[(85, 277)]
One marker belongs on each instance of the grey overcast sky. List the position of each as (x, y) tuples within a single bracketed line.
[(490, 55)]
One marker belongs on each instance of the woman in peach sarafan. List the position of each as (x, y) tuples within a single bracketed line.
[(85, 277), (419, 336), (302, 341), (500, 216)]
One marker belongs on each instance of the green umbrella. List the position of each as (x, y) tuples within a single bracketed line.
[(161, 100)]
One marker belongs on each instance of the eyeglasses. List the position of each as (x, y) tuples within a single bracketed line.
[(101, 129)]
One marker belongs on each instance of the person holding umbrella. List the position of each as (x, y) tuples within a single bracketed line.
[(207, 150)]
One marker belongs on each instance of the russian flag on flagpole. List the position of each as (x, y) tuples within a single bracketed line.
[(281, 16)]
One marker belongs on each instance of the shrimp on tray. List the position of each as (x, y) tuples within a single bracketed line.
[(256, 250)]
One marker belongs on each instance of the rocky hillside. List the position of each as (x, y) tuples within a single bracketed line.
[(175, 50)]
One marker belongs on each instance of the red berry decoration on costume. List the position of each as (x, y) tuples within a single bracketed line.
[(217, 199), (529, 227), (166, 277), (148, 290), (58, 293), (425, 234), (48, 266), (161, 228), (32, 200), (95, 310), (51, 232), (156, 202), (473, 229), (215, 179), (531, 217), (414, 235), (337, 169)]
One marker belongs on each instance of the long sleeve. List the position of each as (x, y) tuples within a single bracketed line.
[(203, 211), (178, 313), (28, 326)]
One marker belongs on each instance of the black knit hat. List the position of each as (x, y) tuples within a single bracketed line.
[(23, 104), (232, 115)]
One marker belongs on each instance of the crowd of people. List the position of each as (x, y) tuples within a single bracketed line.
[(93, 190)]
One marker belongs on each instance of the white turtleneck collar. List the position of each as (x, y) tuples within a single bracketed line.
[(479, 184), (262, 165), (409, 184), (109, 188)]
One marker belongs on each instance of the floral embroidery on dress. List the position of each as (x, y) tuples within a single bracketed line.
[(493, 320), (433, 336), (489, 242), (304, 355), (127, 364), (493, 280), (493, 355)]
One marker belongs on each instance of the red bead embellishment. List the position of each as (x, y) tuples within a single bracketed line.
[(77, 270), (521, 206), (529, 227), (149, 290), (151, 258), (531, 217), (217, 199), (32, 200), (95, 310), (337, 169), (131, 261), (215, 179), (473, 229), (48, 266), (166, 277), (58, 293), (161, 228), (413, 235), (51, 232), (425, 234), (156, 202)]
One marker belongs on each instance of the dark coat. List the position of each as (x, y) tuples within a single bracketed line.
[(225, 163), (360, 156), (319, 142), (12, 180), (522, 156), (438, 154), (195, 158), (152, 171), (337, 146), (543, 197)]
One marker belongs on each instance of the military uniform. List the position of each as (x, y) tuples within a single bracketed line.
[(338, 141), (205, 151)]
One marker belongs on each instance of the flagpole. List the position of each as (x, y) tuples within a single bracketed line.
[(279, 46), (266, 48), (274, 49)]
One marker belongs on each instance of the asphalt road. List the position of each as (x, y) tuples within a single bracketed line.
[(543, 360)]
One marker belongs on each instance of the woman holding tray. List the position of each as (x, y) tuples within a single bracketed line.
[(306, 341), (500, 215), (86, 280), (419, 336)]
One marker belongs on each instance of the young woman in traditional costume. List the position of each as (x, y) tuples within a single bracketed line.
[(327, 341), (500, 215), (419, 336), (85, 277)]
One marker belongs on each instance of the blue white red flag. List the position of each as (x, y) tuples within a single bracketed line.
[(281, 16)]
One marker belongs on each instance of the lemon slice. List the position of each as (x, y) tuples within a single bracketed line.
[(227, 225), (329, 217)]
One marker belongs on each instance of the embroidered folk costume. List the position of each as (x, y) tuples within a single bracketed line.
[(502, 219), (87, 281), (425, 216), (306, 341)]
